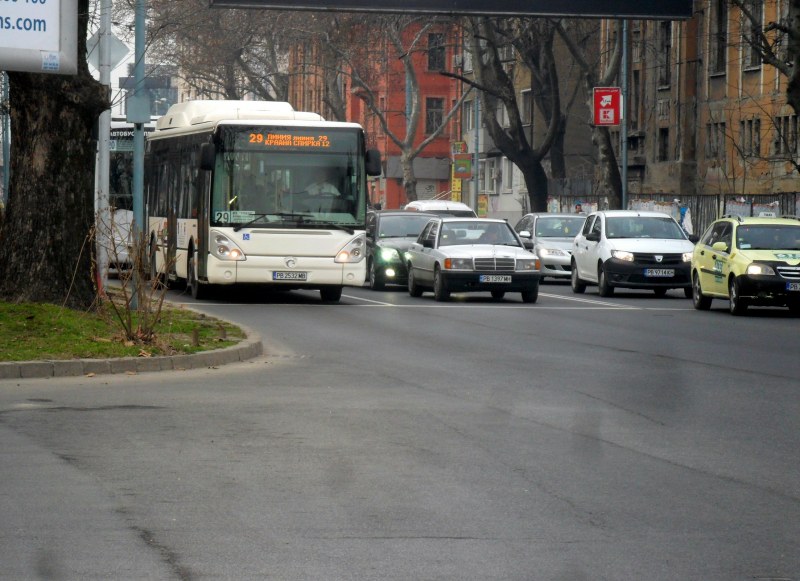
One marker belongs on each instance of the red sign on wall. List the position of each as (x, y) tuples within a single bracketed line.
[(607, 105)]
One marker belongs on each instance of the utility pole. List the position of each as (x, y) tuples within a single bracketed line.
[(105, 227)]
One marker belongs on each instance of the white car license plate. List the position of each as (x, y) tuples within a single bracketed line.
[(495, 278), (793, 286), (659, 272), (284, 275)]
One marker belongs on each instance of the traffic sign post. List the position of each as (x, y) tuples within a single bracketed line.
[(607, 106)]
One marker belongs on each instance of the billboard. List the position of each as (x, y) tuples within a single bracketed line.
[(39, 36), (644, 9)]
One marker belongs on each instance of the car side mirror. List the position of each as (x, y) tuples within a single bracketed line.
[(528, 244), (372, 163), (593, 237), (525, 234), (694, 238), (720, 246), (427, 243)]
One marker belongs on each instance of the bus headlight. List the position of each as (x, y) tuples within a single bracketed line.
[(352, 252), (224, 248)]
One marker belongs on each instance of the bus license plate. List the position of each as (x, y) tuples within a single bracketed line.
[(495, 278), (793, 286), (284, 275), (659, 272)]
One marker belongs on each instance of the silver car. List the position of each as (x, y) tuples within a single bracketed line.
[(552, 236), (471, 255)]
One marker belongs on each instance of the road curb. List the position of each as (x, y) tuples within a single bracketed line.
[(248, 348)]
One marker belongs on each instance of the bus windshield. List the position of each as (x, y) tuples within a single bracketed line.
[(288, 177)]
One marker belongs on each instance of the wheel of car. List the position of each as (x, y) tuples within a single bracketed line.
[(440, 292), (376, 281), (737, 304), (660, 292), (531, 294), (413, 288), (794, 306), (498, 294), (604, 287), (699, 300), (687, 292), (577, 284)]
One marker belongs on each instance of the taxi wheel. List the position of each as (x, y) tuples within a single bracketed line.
[(604, 288), (440, 291), (699, 300), (413, 288), (737, 304)]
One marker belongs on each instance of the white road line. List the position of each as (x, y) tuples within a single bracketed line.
[(585, 300)]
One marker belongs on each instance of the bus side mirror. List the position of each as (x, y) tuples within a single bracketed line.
[(207, 154), (373, 162)]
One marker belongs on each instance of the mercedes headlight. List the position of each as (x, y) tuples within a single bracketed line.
[(458, 263), (527, 264)]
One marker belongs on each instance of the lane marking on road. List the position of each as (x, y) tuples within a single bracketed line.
[(587, 300), (595, 303)]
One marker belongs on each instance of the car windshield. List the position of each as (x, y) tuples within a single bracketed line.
[(474, 232), (643, 227), (768, 237), (559, 227), (402, 226)]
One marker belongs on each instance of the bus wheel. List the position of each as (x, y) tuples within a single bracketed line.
[(198, 291), (330, 294)]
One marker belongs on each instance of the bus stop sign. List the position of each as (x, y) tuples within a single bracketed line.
[(639, 9)]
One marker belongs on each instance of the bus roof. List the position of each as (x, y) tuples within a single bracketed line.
[(189, 113)]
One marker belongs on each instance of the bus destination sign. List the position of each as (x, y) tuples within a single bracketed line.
[(292, 139), (283, 140)]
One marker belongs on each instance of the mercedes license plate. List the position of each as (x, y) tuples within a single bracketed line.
[(495, 278), (289, 275), (659, 272), (793, 286)]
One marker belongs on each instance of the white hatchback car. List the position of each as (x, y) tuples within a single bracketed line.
[(631, 249)]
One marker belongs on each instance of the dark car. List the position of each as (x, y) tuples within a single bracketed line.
[(389, 234)]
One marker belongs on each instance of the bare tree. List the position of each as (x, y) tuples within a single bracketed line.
[(369, 57), (571, 31), (777, 42), (46, 229), (533, 41)]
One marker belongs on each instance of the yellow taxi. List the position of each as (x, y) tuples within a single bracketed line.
[(748, 261)]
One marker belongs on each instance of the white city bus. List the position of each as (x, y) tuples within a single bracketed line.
[(227, 198)]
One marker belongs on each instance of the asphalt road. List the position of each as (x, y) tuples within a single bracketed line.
[(580, 438)]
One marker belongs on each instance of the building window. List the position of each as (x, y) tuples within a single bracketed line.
[(436, 52), (468, 116), (526, 98), (719, 36), (750, 137), (786, 141), (715, 141), (751, 31), (434, 114), (664, 53), (663, 144)]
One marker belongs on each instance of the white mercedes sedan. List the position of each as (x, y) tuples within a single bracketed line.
[(471, 255)]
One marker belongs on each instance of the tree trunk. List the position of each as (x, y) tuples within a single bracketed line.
[(409, 179), (536, 183), (50, 213), (611, 179)]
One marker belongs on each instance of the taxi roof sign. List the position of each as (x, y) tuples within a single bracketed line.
[(638, 9)]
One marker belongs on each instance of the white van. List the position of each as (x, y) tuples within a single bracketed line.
[(442, 207)]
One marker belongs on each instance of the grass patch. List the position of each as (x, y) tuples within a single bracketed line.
[(33, 331)]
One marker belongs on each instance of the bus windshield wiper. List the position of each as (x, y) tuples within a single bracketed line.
[(337, 225), (246, 224)]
